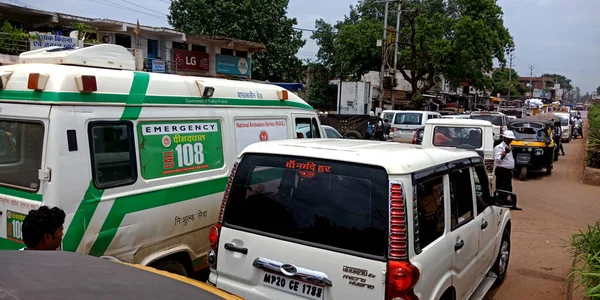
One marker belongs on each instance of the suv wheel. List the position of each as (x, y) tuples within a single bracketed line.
[(501, 265)]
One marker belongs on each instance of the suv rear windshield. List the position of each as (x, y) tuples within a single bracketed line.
[(21, 154), (494, 119), (328, 203), (408, 119), (458, 136)]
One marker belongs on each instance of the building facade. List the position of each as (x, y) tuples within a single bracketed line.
[(156, 49)]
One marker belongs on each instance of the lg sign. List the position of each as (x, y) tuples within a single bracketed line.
[(189, 60)]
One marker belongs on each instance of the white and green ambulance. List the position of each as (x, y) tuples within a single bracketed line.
[(139, 161)]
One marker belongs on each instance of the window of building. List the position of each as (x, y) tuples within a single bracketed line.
[(430, 211), (199, 48), (461, 198), (113, 156), (240, 53), (180, 46), (226, 51), (123, 40)]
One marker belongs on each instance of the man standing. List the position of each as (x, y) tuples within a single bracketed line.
[(505, 163), (386, 129), (43, 228)]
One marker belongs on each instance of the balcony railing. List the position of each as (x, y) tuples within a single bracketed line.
[(11, 46)]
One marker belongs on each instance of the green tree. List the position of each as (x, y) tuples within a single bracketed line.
[(457, 39), (263, 21), (321, 94), (565, 83), (500, 83)]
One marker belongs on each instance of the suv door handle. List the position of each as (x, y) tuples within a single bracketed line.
[(459, 245), (234, 248), (484, 225)]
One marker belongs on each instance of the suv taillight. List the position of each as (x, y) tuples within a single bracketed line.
[(501, 130), (401, 275), (215, 230), (414, 141)]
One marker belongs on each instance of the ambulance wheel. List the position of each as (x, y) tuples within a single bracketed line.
[(523, 174), (173, 267)]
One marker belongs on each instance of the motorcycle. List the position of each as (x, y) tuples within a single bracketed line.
[(577, 131)]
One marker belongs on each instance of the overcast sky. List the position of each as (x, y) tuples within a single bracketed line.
[(555, 36)]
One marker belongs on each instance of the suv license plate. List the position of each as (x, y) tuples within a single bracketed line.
[(292, 286)]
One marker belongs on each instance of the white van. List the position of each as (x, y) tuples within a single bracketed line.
[(337, 219), (565, 125), (406, 122), (499, 120), (475, 133), (138, 161)]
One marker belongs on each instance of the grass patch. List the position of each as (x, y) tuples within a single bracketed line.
[(585, 247), (592, 157)]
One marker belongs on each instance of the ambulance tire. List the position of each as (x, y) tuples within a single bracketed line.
[(172, 266)]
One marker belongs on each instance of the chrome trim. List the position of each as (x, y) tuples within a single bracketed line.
[(315, 277)]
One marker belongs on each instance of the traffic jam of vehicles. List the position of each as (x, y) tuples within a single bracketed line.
[(246, 182)]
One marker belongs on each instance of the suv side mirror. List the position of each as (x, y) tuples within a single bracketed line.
[(506, 199)]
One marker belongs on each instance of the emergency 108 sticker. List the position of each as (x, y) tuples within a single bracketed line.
[(172, 148), (14, 225)]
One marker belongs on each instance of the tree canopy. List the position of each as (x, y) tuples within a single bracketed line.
[(565, 83), (500, 83), (263, 21), (457, 39)]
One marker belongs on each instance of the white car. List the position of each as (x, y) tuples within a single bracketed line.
[(331, 133), (346, 219), (404, 123), (499, 120)]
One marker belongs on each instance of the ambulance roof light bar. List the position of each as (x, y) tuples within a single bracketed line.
[(107, 56)]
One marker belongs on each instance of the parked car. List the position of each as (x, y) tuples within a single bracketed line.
[(475, 133), (63, 275), (418, 137), (346, 219), (406, 122), (499, 121), (331, 133)]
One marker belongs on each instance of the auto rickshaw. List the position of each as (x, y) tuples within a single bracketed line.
[(533, 147)]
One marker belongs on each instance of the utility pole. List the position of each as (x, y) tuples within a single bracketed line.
[(396, 53), (510, 75), (383, 55), (531, 67)]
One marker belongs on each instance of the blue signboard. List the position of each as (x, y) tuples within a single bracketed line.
[(158, 66), (233, 65)]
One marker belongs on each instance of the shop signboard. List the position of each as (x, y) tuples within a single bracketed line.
[(233, 65), (191, 60)]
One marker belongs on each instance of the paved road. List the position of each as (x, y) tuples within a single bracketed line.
[(554, 207)]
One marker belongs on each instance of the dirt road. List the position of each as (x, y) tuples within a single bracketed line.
[(554, 207)]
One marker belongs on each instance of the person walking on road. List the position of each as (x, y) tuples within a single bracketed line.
[(505, 163)]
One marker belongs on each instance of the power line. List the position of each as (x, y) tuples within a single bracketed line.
[(158, 12), (21, 3), (107, 3)]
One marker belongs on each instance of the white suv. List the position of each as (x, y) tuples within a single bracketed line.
[(346, 219)]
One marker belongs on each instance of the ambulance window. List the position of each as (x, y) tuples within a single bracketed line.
[(21, 154), (113, 156), (307, 128)]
